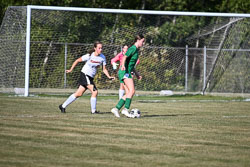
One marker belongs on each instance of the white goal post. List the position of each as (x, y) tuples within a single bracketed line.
[(184, 51)]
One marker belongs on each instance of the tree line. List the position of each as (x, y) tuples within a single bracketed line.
[(225, 6)]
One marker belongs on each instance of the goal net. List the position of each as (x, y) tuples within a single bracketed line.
[(182, 53)]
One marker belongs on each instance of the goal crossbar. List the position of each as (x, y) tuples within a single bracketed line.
[(127, 11)]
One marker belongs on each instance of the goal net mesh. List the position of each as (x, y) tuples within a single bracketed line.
[(59, 37)]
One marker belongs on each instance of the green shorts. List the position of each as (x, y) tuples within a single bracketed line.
[(123, 75)]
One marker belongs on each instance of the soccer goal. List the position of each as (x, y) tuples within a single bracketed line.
[(184, 51)]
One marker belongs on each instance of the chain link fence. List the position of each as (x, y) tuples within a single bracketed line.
[(182, 53)]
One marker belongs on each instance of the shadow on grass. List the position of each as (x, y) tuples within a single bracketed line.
[(167, 115), (100, 112)]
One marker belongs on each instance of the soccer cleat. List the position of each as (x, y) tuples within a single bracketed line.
[(63, 110), (115, 112), (95, 112), (126, 113)]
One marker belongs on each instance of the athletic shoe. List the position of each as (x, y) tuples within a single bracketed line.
[(126, 113), (63, 110), (95, 112), (115, 112)]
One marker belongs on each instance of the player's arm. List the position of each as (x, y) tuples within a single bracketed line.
[(138, 61), (123, 63), (74, 64), (137, 74), (114, 60), (81, 59), (105, 71)]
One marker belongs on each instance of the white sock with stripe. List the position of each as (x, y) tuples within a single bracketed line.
[(69, 101), (93, 104)]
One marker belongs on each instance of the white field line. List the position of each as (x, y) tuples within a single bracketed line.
[(162, 101), (236, 116)]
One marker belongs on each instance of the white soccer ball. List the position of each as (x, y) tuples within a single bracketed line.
[(135, 113)]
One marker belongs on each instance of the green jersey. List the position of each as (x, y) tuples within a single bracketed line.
[(132, 57)]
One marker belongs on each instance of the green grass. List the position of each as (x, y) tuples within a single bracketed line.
[(173, 131)]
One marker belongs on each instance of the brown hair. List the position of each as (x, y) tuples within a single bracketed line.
[(95, 45), (137, 37)]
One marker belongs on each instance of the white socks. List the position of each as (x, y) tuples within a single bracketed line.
[(69, 100), (73, 98), (121, 93), (93, 104)]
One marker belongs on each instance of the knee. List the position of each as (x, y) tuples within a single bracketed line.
[(94, 93), (131, 92), (78, 94)]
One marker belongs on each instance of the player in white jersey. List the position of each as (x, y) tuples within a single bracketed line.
[(93, 60)]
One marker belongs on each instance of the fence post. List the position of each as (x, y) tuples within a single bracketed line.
[(65, 64), (186, 70), (204, 69)]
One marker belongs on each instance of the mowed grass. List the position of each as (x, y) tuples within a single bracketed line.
[(171, 132)]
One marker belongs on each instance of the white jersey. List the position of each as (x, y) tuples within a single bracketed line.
[(93, 62)]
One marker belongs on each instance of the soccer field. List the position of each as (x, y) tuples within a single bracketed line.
[(173, 131)]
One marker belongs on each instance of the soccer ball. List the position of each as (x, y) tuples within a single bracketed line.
[(135, 113)]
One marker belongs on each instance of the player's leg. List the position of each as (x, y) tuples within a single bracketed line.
[(121, 101), (129, 83), (93, 99), (72, 98), (126, 90), (121, 90), (119, 105)]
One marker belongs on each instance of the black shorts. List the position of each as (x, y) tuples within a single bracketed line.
[(86, 80)]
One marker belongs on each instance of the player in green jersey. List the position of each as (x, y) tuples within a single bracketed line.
[(127, 67)]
